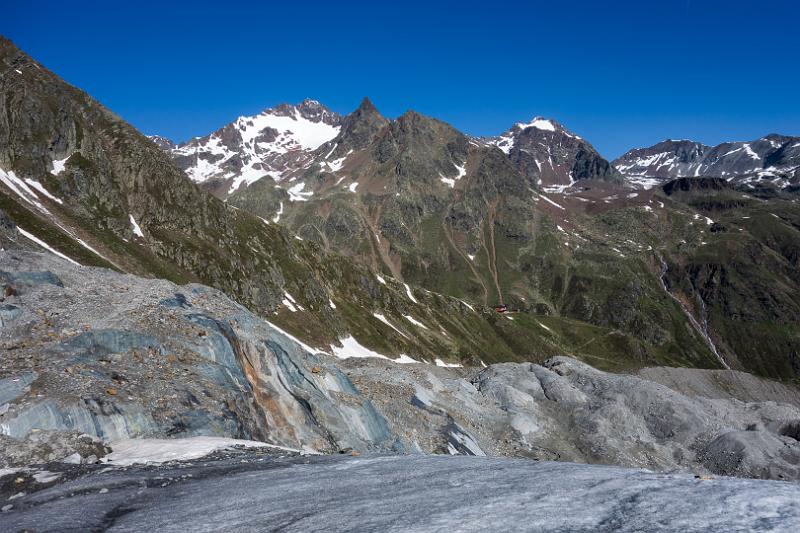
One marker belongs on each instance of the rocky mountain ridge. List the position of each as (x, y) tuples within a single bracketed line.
[(773, 159), (248, 149)]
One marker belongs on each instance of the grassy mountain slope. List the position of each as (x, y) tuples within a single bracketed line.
[(105, 195), (397, 206), (423, 203)]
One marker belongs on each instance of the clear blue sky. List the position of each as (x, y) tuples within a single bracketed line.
[(619, 73)]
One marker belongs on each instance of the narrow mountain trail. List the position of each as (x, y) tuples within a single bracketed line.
[(701, 329), (597, 337)]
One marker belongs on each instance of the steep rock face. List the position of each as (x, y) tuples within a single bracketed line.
[(357, 131), (164, 361), (742, 282), (162, 142), (549, 155), (773, 159), (116, 356)]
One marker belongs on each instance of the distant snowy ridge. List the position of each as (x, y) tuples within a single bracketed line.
[(773, 159)]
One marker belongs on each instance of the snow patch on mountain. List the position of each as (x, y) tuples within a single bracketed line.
[(35, 239), (415, 321), (539, 123), (385, 320), (136, 229), (59, 165), (39, 187), (297, 194)]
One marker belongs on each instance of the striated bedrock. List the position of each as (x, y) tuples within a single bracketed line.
[(116, 356)]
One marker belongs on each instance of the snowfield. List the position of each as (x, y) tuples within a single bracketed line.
[(250, 492), (128, 452)]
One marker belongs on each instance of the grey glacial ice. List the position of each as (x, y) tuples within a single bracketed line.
[(412, 493)]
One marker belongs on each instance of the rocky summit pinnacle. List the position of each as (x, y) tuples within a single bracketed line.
[(356, 132), (551, 156)]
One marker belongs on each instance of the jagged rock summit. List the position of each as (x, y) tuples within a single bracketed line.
[(551, 156)]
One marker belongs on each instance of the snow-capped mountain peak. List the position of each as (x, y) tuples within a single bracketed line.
[(550, 155), (162, 142), (275, 142), (538, 123)]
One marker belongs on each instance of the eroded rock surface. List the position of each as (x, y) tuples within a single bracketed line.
[(116, 356)]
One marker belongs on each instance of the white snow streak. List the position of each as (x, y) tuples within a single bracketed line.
[(415, 321), (39, 187), (410, 294), (136, 229), (44, 245), (383, 319), (277, 216), (142, 451), (548, 200)]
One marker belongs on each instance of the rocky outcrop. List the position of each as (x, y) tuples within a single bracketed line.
[(163, 365), (358, 129), (116, 356)]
